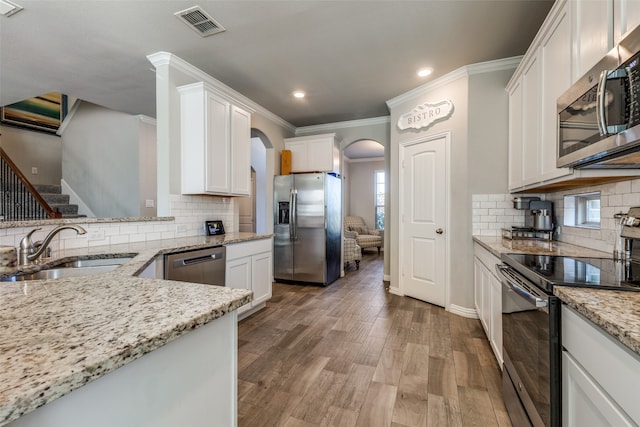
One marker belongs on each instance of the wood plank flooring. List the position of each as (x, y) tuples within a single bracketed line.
[(352, 354)]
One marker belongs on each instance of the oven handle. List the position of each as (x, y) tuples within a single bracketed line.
[(508, 274)]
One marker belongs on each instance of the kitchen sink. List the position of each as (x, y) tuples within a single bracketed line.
[(82, 267)]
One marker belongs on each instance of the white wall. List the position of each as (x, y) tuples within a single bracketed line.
[(101, 161), (29, 149), (478, 127), (361, 184)]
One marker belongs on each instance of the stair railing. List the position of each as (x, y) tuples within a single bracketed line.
[(19, 200)]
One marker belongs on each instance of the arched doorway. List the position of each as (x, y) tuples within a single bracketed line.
[(364, 182), (255, 213)]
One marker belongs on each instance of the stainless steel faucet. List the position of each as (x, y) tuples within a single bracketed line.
[(27, 253)]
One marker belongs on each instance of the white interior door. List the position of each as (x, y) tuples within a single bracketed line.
[(423, 205)]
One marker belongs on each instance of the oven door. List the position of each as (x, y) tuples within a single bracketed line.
[(531, 350)]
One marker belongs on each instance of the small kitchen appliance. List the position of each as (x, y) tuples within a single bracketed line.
[(539, 215), (532, 386)]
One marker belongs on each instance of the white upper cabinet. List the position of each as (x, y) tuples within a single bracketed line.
[(531, 121), (315, 153), (592, 33), (626, 17), (215, 141), (555, 58), (515, 135)]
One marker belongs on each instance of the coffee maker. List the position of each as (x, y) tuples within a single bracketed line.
[(539, 217)]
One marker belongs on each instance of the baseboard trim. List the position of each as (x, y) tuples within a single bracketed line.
[(395, 291), (469, 313)]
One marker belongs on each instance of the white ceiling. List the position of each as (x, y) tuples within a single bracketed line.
[(349, 56)]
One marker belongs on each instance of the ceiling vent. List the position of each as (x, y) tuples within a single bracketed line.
[(200, 21)]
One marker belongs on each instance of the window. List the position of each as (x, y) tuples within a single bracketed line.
[(582, 210), (379, 199)]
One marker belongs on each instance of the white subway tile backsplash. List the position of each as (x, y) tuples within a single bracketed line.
[(494, 213)]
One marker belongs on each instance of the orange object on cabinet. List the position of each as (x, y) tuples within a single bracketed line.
[(285, 167)]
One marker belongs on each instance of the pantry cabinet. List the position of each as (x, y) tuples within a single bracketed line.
[(250, 266), (314, 153), (488, 298), (599, 376), (215, 142)]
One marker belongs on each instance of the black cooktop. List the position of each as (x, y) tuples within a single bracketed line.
[(548, 271)]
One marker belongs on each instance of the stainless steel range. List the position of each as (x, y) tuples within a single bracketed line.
[(532, 344)]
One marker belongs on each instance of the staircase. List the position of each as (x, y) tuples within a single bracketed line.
[(52, 194)]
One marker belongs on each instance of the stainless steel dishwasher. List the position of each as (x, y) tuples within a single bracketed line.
[(202, 266)]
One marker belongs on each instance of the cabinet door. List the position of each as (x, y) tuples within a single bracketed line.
[(238, 276), (217, 154), (477, 285), (240, 152), (299, 155), (320, 155), (515, 136), (584, 403), (555, 54), (261, 277), (485, 318), (495, 337), (531, 101), (593, 33), (626, 16)]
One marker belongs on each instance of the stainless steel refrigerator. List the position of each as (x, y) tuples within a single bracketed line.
[(308, 219)]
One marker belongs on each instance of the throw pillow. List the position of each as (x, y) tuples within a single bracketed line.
[(362, 230)]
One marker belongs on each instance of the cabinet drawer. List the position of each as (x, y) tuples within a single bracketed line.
[(487, 258), (238, 250)]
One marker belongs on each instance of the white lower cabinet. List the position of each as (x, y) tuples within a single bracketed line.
[(250, 266), (600, 376), (488, 298)]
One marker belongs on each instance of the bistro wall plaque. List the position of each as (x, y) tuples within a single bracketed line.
[(425, 115)]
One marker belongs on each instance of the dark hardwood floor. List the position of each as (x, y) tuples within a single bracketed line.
[(352, 354)]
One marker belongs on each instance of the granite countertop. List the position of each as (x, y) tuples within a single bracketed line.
[(57, 335), (499, 246), (616, 312)]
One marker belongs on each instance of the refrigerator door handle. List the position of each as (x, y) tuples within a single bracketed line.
[(293, 224)]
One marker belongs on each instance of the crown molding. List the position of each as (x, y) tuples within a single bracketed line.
[(462, 72), (166, 58), (327, 127)]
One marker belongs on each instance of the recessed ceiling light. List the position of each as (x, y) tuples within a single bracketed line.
[(8, 8), (298, 94), (424, 72)]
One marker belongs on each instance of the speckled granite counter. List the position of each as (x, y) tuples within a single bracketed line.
[(617, 312), (498, 246), (58, 335)]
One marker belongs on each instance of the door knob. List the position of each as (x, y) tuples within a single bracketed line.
[(439, 230)]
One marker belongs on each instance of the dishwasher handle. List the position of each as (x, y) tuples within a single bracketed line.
[(183, 262)]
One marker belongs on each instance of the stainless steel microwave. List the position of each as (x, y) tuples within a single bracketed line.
[(599, 116)]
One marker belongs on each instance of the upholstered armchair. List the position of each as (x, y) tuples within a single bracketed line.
[(355, 228), (351, 252)]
